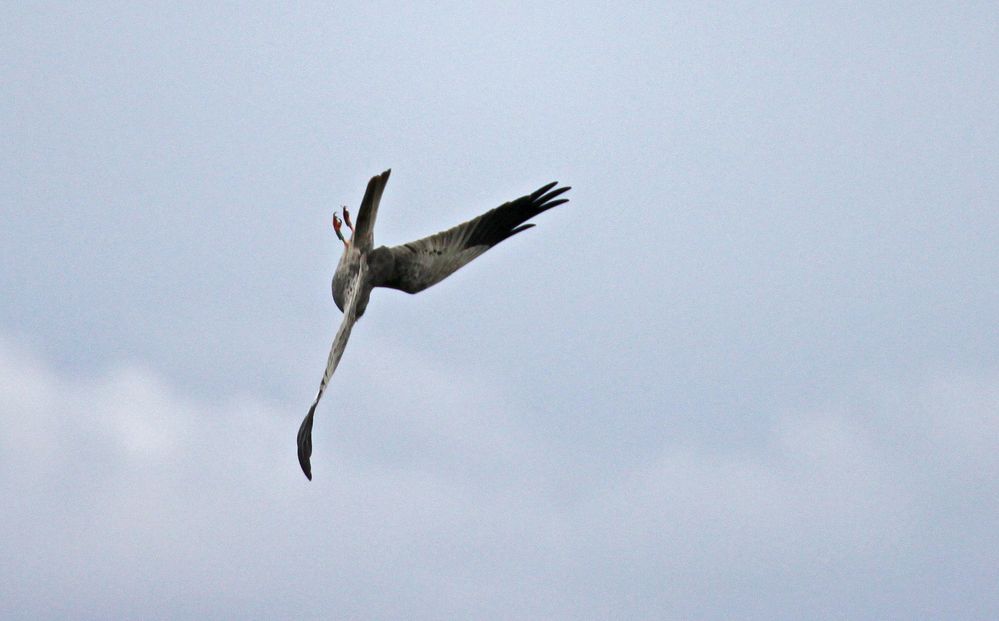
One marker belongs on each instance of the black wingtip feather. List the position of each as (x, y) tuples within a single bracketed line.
[(535, 194), (305, 443), (554, 193), (507, 220)]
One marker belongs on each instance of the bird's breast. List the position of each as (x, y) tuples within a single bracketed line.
[(345, 272)]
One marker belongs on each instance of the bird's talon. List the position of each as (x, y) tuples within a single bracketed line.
[(346, 218), (336, 229)]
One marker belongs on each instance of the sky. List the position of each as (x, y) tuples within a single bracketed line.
[(749, 371)]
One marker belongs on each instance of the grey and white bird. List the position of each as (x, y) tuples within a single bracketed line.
[(410, 267)]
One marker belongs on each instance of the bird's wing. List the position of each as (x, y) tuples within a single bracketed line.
[(364, 233), (353, 295), (430, 260)]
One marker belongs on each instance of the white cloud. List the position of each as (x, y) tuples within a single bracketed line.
[(436, 501)]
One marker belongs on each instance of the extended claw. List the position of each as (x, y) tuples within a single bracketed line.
[(346, 218), (336, 229)]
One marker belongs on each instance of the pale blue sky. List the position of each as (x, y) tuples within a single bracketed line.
[(749, 371)]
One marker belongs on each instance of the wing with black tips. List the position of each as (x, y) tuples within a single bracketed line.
[(353, 296), (428, 261)]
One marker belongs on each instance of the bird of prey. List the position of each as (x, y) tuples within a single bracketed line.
[(410, 267)]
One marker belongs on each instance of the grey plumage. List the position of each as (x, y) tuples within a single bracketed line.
[(426, 262), (411, 267)]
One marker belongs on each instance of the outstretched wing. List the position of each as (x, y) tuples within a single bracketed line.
[(354, 293), (430, 260)]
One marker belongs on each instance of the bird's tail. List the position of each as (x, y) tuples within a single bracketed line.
[(364, 232)]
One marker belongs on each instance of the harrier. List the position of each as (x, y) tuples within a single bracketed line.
[(410, 267)]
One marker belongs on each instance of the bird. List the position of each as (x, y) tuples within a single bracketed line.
[(410, 267)]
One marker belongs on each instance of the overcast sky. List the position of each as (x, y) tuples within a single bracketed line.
[(751, 370)]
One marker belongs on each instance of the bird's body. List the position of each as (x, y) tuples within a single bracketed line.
[(410, 267)]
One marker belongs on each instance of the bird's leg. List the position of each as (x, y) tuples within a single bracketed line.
[(346, 218), (336, 229)]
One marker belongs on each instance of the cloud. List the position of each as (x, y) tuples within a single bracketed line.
[(125, 498)]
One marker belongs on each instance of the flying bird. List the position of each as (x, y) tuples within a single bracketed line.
[(410, 267)]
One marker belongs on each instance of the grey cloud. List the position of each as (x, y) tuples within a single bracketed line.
[(132, 500)]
